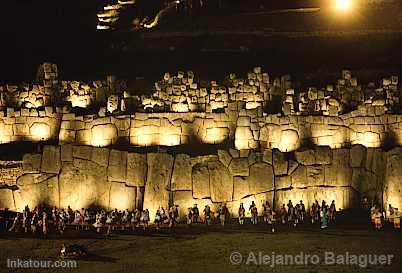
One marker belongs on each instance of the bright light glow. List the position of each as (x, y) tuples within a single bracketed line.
[(343, 4), (40, 131), (103, 135)]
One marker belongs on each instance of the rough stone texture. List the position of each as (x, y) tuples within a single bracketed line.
[(181, 177), (319, 155), (267, 156), (122, 197), (83, 152), (292, 166), (136, 169), (239, 167), (66, 152), (51, 161), (201, 183), (83, 184), (157, 188), (6, 199), (103, 134), (184, 199), (279, 162), (241, 187), (299, 177), (283, 182), (224, 157), (261, 178), (357, 156), (36, 189), (393, 182), (117, 166), (315, 175), (221, 182), (31, 162), (100, 156)]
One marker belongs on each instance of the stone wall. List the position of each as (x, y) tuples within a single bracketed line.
[(82, 176), (244, 129), (29, 125)]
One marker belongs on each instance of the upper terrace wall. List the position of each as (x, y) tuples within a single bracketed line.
[(244, 129)]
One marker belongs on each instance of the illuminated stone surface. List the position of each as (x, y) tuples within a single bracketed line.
[(136, 169), (181, 177), (157, 188)]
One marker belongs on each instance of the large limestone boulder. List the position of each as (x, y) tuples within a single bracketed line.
[(315, 175), (306, 157), (103, 135), (283, 182), (122, 197), (321, 155), (37, 189), (66, 152), (221, 182), (157, 188), (117, 166), (82, 184), (267, 156), (299, 177), (261, 178), (289, 140), (31, 163), (241, 187), (393, 182), (51, 160), (136, 169), (83, 152), (181, 178), (200, 179), (239, 167), (6, 199), (357, 156), (224, 157), (100, 156), (279, 162)]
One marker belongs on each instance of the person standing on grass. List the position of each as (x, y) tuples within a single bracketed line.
[(272, 221), (223, 213), (109, 223), (190, 216), (291, 214), (397, 219), (45, 224), (302, 211), (158, 219), (324, 216), (34, 222), (196, 213), (242, 214), (145, 218), (283, 214), (377, 219), (17, 223), (207, 215), (61, 223), (332, 211)]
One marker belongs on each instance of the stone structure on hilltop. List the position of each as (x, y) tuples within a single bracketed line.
[(338, 143)]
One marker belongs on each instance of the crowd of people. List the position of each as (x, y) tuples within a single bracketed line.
[(379, 217), (41, 221)]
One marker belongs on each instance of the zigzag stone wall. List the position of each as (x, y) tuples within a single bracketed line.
[(81, 176), (244, 129)]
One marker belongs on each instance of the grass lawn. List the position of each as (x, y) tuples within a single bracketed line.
[(200, 250)]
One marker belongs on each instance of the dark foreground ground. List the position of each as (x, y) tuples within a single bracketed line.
[(198, 249)]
